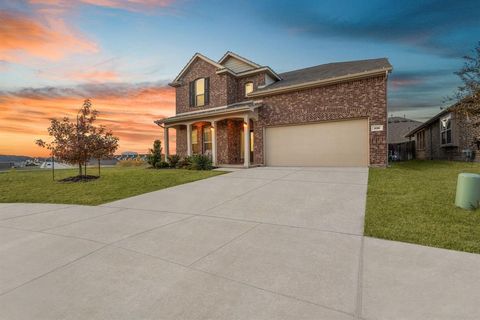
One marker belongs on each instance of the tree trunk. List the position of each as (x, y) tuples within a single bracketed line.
[(79, 169), (85, 171), (99, 167)]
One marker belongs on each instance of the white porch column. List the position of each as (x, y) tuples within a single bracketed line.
[(166, 142), (189, 139), (246, 132), (214, 142)]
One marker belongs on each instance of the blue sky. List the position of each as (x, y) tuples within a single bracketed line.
[(119, 46)]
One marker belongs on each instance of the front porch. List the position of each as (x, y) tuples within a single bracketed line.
[(225, 134)]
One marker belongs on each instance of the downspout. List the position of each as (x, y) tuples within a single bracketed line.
[(386, 110), (431, 143)]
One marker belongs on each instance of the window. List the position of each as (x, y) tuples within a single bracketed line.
[(248, 88), (195, 147), (446, 129), (207, 140), (199, 92), (421, 140)]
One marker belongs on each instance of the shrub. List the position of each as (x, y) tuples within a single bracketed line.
[(184, 163), (173, 160), (200, 162), (130, 163), (155, 154), (162, 165)]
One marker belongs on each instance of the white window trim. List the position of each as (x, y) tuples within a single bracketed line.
[(443, 119)]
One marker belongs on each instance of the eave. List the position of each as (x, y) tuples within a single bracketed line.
[(251, 72), (209, 113)]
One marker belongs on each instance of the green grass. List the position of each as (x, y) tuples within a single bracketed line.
[(414, 202), (114, 183)]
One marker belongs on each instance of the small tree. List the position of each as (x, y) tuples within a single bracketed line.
[(76, 142), (104, 145), (155, 155), (468, 94)]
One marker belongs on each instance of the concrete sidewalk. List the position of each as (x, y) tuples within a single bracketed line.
[(262, 243)]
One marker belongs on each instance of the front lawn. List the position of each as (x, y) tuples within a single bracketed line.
[(114, 183), (414, 202)]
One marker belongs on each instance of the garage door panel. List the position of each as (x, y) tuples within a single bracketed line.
[(339, 143)]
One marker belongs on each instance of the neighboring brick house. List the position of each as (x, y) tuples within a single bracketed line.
[(242, 113), (449, 135)]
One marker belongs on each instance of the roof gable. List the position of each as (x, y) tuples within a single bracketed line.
[(237, 63), (190, 62), (398, 127)]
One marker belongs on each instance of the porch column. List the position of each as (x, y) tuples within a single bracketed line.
[(189, 139), (166, 142), (214, 142), (246, 132)]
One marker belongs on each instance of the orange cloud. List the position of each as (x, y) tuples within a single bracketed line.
[(93, 76), (128, 110), (130, 5), (21, 35)]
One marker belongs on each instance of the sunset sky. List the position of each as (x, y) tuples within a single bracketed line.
[(122, 54)]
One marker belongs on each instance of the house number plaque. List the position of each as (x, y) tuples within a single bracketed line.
[(376, 127)]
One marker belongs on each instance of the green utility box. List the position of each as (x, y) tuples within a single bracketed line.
[(468, 191)]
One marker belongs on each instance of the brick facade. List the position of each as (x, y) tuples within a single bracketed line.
[(228, 141), (181, 140), (218, 86), (364, 98), (224, 88), (348, 100), (464, 134)]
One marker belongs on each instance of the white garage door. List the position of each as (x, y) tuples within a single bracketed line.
[(337, 143)]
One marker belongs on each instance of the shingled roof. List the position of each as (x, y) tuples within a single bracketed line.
[(326, 72), (398, 127)]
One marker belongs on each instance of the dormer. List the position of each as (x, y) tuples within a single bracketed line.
[(237, 63)]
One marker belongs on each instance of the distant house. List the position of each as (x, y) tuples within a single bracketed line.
[(449, 135), (399, 146)]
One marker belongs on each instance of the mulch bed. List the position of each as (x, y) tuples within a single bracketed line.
[(80, 178)]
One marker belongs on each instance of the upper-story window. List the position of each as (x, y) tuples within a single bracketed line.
[(199, 92), (248, 88), (446, 129)]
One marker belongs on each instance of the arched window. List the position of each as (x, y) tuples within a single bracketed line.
[(248, 88), (199, 92)]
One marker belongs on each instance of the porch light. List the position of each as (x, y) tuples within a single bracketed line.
[(245, 124)]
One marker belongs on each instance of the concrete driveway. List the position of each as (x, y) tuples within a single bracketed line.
[(263, 243)]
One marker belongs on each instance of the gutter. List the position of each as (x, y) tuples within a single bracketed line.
[(323, 82), (250, 72), (199, 114)]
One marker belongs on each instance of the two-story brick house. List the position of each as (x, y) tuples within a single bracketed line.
[(242, 113)]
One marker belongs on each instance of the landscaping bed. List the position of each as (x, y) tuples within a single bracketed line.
[(114, 184), (414, 202)]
